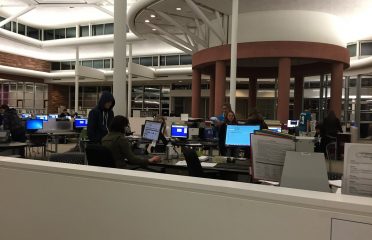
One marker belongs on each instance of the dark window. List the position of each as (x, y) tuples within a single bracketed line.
[(155, 61), (97, 63), (60, 33), (352, 49), (14, 27), (21, 29), (162, 60), (87, 63), (33, 32), (106, 63), (70, 32), (185, 59), (352, 82), (366, 48), (109, 28), (366, 82), (266, 86), (72, 65), (97, 30), (65, 66), (314, 84), (146, 61), (135, 60), (56, 66), (173, 60), (48, 34), (8, 26), (84, 31)]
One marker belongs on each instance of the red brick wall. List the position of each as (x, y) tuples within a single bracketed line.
[(12, 60), (57, 96)]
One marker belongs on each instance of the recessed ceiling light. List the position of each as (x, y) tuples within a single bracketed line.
[(147, 20), (153, 29), (179, 81), (152, 15), (178, 9)]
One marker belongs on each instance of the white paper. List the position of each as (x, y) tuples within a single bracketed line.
[(357, 178), (268, 154), (204, 164)]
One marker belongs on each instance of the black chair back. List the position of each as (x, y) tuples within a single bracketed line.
[(193, 163), (68, 157), (98, 155)]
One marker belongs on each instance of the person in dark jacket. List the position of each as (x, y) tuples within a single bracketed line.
[(64, 114), (120, 147), (230, 119), (255, 118), (330, 127), (100, 117), (13, 123)]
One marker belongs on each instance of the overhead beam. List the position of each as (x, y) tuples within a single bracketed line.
[(218, 32), (173, 44), (102, 9), (24, 11)]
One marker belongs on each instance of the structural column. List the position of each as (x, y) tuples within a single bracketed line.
[(284, 75), (77, 64), (196, 93), (252, 93), (130, 81), (119, 83), (220, 87), (336, 88), (212, 87), (298, 96), (233, 57)]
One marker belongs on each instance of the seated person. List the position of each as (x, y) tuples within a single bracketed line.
[(64, 114), (120, 147), (255, 118)]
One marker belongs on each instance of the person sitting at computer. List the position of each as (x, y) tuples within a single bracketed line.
[(255, 118), (13, 123), (120, 147), (64, 113), (224, 151)]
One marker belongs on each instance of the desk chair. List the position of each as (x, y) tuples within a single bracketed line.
[(68, 157), (98, 155), (38, 141), (194, 166)]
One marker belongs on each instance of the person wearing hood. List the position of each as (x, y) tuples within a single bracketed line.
[(100, 117), (13, 123)]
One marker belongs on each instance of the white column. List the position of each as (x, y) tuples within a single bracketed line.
[(119, 83), (77, 31), (234, 36), (76, 108), (130, 81)]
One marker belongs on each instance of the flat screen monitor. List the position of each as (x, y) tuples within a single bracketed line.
[(275, 129), (81, 123), (25, 115), (42, 117), (53, 115), (151, 130), (292, 123), (179, 131), (34, 124), (208, 133), (239, 135)]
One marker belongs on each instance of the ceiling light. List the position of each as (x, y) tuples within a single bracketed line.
[(152, 15), (153, 29), (147, 20), (178, 9), (179, 81)]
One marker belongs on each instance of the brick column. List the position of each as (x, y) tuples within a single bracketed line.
[(336, 88), (284, 75), (212, 87), (220, 87), (298, 96), (252, 92), (57, 96), (196, 93)]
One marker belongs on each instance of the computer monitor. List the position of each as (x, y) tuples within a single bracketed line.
[(25, 115), (208, 133), (275, 129), (34, 124), (81, 123), (292, 123), (179, 131), (151, 130), (53, 115), (239, 135), (42, 117)]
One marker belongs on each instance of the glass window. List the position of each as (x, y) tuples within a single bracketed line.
[(33, 32), (48, 34), (155, 61), (185, 59), (65, 66), (173, 60), (136, 60), (84, 31), (162, 60), (60, 33), (106, 63), (97, 63), (21, 29), (366, 48), (352, 49), (14, 27), (87, 63), (97, 30), (71, 32), (366, 82), (109, 28), (72, 65), (8, 26), (146, 61), (56, 66)]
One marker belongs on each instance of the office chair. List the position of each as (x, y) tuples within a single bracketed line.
[(68, 157), (98, 155), (194, 166)]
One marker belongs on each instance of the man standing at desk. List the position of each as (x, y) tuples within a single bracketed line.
[(100, 117)]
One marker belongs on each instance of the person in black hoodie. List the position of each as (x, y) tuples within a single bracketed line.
[(13, 123), (100, 117)]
